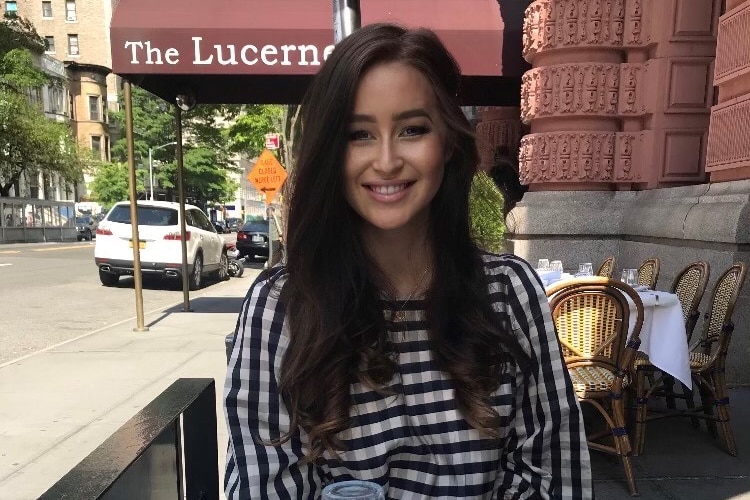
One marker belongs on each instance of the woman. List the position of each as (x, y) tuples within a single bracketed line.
[(390, 348)]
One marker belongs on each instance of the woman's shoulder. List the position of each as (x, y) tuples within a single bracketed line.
[(506, 264), (265, 291)]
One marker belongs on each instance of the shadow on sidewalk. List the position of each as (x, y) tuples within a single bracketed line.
[(204, 305)]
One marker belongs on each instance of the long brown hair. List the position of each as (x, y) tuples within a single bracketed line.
[(337, 332)]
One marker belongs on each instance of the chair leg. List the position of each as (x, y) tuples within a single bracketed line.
[(689, 396), (668, 384), (622, 442), (723, 412), (707, 404), (641, 402)]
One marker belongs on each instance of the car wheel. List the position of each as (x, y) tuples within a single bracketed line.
[(197, 274), (108, 279), (79, 237), (87, 236), (222, 272)]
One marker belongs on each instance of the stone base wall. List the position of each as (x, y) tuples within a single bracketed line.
[(681, 225)]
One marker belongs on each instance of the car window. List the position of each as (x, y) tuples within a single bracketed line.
[(147, 216), (82, 220), (202, 219), (256, 227)]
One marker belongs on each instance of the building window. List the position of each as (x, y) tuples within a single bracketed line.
[(49, 44), (11, 8), (94, 114), (96, 146), (73, 45), (70, 10), (46, 9)]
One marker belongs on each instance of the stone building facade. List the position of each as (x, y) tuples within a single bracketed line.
[(635, 114)]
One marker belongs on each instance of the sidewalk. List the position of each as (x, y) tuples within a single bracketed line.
[(57, 405)]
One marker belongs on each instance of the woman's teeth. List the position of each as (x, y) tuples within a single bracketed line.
[(388, 189)]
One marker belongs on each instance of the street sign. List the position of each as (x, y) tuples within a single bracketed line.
[(267, 175), (272, 141)]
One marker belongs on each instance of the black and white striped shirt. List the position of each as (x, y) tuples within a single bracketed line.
[(415, 443)]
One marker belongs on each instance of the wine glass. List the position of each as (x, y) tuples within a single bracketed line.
[(556, 265), (543, 264)]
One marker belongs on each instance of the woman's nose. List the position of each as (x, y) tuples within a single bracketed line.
[(389, 159)]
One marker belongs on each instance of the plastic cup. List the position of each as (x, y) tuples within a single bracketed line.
[(353, 490)]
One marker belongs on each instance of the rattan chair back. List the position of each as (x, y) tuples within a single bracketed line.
[(689, 286), (648, 273), (607, 268), (718, 325), (592, 317)]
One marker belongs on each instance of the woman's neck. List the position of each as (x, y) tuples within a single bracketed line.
[(404, 258)]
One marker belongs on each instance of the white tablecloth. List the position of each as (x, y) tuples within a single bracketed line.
[(663, 335)]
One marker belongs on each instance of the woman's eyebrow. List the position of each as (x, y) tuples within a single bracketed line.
[(410, 113)]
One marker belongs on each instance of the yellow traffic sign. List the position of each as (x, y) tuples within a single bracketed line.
[(267, 175)]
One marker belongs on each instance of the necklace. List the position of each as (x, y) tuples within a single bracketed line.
[(399, 314)]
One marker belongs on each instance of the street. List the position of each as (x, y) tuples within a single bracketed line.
[(50, 293)]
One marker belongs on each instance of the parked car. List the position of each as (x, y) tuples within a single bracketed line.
[(252, 240), (159, 243), (233, 223), (221, 227), (86, 226)]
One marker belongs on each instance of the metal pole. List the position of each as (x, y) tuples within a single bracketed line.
[(181, 193), (151, 173), (346, 18), (135, 240)]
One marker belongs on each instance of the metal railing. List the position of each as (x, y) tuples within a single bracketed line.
[(168, 450)]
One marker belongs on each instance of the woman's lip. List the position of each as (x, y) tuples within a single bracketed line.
[(389, 198)]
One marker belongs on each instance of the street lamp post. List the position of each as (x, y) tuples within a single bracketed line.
[(151, 165)]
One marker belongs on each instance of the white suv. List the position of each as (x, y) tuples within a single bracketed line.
[(159, 242)]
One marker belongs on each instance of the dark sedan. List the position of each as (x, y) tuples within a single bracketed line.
[(252, 240)]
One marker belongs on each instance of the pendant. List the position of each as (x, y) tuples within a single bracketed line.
[(399, 316)]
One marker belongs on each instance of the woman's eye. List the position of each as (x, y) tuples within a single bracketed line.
[(359, 135), (414, 130)]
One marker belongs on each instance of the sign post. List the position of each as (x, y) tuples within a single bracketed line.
[(267, 175)]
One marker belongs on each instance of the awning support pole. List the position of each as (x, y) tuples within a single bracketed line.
[(135, 240), (347, 18), (181, 193)]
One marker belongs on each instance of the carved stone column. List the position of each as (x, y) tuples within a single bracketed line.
[(499, 128), (619, 93), (572, 96), (728, 156)]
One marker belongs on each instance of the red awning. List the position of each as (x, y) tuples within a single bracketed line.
[(266, 50)]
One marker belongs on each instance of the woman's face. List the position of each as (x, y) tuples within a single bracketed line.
[(396, 151)]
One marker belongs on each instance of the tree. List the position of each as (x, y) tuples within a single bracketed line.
[(486, 212), (111, 182), (29, 142), (247, 134), (204, 182)]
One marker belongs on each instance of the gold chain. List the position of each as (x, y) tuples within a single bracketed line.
[(400, 315)]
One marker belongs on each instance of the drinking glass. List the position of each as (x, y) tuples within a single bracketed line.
[(353, 490), (556, 265), (585, 269), (543, 264), (631, 277)]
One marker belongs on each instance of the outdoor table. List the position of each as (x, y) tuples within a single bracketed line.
[(663, 336)]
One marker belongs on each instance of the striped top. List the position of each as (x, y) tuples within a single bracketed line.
[(415, 443)]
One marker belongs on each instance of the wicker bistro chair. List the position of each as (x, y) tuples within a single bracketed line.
[(648, 273), (708, 356), (591, 316), (689, 286), (607, 267)]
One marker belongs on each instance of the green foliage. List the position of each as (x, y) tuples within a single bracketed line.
[(31, 143), (204, 182), (486, 212), (111, 183), (247, 134), (19, 33)]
